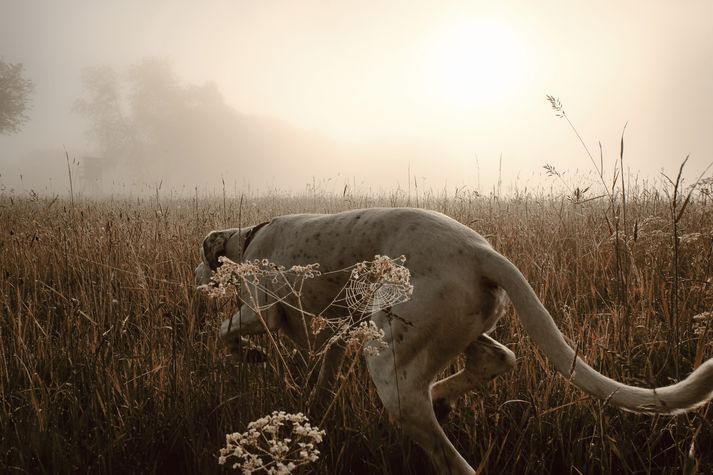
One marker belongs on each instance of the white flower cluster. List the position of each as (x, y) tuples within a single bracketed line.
[(385, 270), (378, 284), (308, 271), (366, 334), (276, 444), (228, 278)]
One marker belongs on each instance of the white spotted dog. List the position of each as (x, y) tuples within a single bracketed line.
[(459, 287)]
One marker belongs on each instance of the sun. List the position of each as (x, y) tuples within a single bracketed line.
[(473, 64)]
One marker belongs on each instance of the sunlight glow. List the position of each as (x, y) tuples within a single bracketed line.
[(473, 64)]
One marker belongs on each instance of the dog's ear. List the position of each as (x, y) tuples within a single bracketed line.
[(214, 246)]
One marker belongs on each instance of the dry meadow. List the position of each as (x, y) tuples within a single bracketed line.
[(111, 362)]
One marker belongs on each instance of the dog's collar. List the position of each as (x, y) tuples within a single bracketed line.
[(249, 236)]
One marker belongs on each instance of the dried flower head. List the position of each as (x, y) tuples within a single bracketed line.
[(319, 323), (556, 105), (378, 284), (366, 335), (227, 280), (276, 444), (308, 271)]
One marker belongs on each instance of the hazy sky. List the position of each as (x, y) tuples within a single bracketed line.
[(440, 83)]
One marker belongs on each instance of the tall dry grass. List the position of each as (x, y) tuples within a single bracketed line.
[(111, 363)]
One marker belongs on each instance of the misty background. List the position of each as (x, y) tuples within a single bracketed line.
[(286, 95)]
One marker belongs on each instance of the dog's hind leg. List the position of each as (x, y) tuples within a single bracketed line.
[(485, 359), (409, 403)]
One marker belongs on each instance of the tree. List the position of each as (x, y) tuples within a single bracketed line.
[(15, 92), (146, 122), (102, 104), (147, 125)]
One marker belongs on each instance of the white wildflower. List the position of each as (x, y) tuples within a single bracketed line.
[(366, 335), (277, 444), (308, 271), (378, 284)]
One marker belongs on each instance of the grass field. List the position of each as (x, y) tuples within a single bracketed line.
[(111, 363)]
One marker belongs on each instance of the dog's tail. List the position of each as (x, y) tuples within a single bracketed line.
[(685, 395)]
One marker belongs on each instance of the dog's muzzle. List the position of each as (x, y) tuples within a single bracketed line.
[(203, 273)]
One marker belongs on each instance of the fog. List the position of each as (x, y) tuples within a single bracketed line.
[(263, 96)]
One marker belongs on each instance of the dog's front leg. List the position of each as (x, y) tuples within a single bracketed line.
[(248, 322)]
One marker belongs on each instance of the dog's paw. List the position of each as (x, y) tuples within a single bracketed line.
[(243, 350), (253, 355)]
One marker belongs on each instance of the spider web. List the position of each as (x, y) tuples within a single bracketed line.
[(372, 286), (367, 294)]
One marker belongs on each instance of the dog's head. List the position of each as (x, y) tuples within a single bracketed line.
[(230, 243), (225, 242)]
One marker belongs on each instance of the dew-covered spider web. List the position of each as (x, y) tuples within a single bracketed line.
[(372, 286), (377, 285)]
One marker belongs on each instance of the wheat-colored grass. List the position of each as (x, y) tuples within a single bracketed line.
[(111, 363)]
